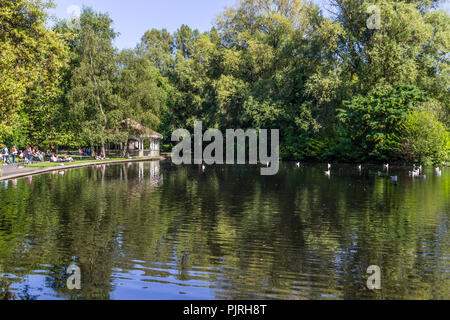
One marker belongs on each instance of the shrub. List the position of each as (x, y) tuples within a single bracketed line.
[(426, 140), (370, 126)]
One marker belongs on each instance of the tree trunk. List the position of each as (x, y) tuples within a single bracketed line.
[(125, 149)]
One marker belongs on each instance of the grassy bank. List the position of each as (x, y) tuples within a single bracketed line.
[(45, 165)]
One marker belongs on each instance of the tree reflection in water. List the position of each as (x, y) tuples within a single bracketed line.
[(225, 233)]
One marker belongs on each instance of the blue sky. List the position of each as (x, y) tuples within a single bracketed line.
[(133, 17)]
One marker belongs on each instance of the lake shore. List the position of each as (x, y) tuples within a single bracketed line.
[(12, 172)]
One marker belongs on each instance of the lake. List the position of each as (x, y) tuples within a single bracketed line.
[(153, 230)]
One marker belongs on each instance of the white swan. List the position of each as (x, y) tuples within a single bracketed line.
[(414, 173)]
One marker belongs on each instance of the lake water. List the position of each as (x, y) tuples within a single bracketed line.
[(154, 230)]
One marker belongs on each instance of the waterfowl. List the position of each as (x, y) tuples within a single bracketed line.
[(414, 173), (438, 172)]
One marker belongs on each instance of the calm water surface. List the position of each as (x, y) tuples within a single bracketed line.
[(157, 231)]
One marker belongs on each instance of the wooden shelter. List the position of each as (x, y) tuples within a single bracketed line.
[(142, 140)]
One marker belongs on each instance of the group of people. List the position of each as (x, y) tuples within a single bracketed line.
[(86, 152), (100, 157), (29, 154)]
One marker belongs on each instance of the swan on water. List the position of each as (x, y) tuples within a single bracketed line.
[(438, 172)]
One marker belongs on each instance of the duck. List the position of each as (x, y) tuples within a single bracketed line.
[(298, 164), (438, 172), (414, 173)]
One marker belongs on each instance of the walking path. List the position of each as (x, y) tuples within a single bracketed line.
[(14, 172)]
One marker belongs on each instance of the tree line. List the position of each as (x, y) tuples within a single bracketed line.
[(336, 89)]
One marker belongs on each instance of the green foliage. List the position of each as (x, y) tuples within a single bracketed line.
[(426, 140), (371, 125), (265, 64), (308, 148), (144, 92), (30, 59), (91, 97)]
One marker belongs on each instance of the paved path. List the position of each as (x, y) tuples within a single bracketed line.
[(14, 172)]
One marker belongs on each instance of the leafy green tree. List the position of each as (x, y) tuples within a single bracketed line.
[(92, 94), (144, 91), (371, 125), (426, 140), (410, 46), (266, 49), (31, 57), (158, 46)]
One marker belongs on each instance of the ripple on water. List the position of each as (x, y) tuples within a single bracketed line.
[(227, 233)]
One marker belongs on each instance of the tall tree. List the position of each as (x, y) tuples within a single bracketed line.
[(92, 96), (30, 60), (144, 91), (158, 46)]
